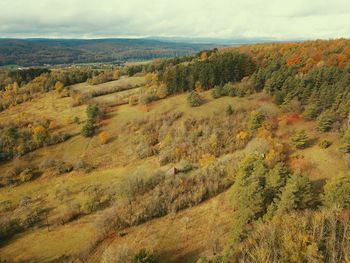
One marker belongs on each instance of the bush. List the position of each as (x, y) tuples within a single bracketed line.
[(300, 139), (144, 256), (76, 120), (103, 137), (217, 92), (81, 165), (255, 120), (121, 254), (324, 144), (93, 112), (229, 110), (88, 129), (337, 191), (162, 91), (229, 90), (194, 99), (26, 175)]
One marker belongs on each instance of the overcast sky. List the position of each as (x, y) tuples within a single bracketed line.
[(278, 19)]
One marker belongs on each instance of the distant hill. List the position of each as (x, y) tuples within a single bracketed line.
[(38, 52)]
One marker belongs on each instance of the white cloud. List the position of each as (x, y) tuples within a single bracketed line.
[(191, 18)]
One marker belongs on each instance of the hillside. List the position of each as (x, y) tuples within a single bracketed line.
[(224, 156), (39, 52)]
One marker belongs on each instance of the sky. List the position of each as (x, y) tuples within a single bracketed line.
[(272, 19)]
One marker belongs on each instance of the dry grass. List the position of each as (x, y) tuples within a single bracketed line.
[(175, 238)]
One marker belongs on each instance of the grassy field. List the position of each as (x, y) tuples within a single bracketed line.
[(181, 237)]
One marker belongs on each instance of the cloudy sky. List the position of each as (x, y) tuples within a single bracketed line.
[(278, 19)]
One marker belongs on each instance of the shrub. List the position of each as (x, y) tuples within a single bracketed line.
[(337, 191), (143, 256), (103, 137), (162, 91), (133, 100), (255, 120), (229, 110), (120, 254), (82, 165), (229, 90), (324, 144), (76, 120), (93, 112), (70, 212), (40, 134), (300, 139), (26, 175), (217, 92), (194, 99), (88, 129)]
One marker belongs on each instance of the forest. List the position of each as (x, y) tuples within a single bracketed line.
[(41, 52)]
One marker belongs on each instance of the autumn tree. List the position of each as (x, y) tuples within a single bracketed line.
[(40, 134)]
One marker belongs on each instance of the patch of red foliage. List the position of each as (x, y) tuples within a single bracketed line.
[(265, 99), (290, 118)]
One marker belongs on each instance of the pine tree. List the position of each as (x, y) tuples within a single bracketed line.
[(88, 129), (248, 195), (337, 191), (325, 122), (300, 139), (345, 142), (194, 99), (296, 195)]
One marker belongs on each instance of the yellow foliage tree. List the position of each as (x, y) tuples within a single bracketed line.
[(204, 55), (198, 87), (103, 137), (40, 134), (162, 91), (59, 86)]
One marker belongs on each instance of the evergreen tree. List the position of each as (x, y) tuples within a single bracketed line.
[(296, 195), (88, 129), (337, 191), (325, 122), (300, 139), (93, 112), (276, 179), (248, 195), (345, 142), (194, 99)]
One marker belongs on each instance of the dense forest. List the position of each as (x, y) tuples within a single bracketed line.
[(39, 52)]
